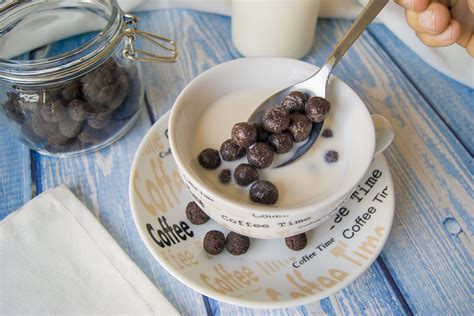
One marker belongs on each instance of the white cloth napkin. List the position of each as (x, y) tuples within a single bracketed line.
[(56, 258)]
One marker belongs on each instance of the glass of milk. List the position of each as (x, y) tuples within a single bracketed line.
[(283, 28)]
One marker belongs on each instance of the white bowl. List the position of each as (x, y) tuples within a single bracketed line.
[(242, 215)]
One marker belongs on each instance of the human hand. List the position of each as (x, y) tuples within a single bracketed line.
[(442, 23)]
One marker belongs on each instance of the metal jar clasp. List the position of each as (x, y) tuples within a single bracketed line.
[(131, 33)]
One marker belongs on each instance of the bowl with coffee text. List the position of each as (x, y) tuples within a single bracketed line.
[(310, 189)]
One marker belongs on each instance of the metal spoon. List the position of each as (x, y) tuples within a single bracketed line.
[(316, 84)]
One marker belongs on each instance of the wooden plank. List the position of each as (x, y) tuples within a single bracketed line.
[(100, 181), (15, 172), (429, 252), (204, 40), (451, 100), (15, 175)]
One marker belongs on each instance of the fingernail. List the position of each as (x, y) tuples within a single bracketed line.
[(409, 4), (446, 35), (427, 20)]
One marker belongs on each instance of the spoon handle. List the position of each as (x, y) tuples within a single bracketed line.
[(317, 83), (368, 14)]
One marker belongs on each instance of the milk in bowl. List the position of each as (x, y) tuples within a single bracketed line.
[(308, 179)]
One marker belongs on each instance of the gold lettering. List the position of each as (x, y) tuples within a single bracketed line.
[(297, 294), (148, 206), (300, 287), (369, 242), (250, 274), (178, 183), (273, 294), (190, 257), (161, 181), (327, 282), (155, 193), (309, 283), (338, 274), (205, 278), (242, 278), (339, 251), (379, 231), (182, 258), (224, 285)]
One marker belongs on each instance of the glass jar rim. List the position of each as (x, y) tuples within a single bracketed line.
[(69, 64)]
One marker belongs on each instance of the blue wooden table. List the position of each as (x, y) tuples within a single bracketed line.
[(426, 266)]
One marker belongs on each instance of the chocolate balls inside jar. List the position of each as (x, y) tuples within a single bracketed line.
[(83, 113)]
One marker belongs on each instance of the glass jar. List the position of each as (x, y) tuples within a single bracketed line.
[(84, 97)]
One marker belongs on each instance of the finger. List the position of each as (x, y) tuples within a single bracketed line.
[(434, 20), (448, 37), (470, 46), (464, 37), (461, 12), (470, 3), (414, 5)]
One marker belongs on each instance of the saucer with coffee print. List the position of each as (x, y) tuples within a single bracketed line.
[(269, 275)]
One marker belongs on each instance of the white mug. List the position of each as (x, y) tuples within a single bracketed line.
[(280, 28)]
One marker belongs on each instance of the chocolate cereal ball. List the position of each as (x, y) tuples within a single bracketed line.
[(41, 127), (297, 242), (281, 142), (276, 120), (214, 242), (13, 109), (244, 134), (237, 244), (260, 155), (231, 151), (331, 156), (100, 120), (225, 176), (245, 174), (262, 133), (317, 109), (69, 127), (263, 192), (71, 92), (77, 110), (195, 214), (294, 102), (52, 111), (300, 127), (209, 158), (89, 136), (29, 133), (327, 133)]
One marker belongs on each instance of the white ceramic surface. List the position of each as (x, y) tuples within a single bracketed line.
[(270, 75), (269, 275)]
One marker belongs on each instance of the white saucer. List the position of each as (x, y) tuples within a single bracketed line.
[(269, 275)]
